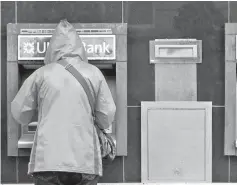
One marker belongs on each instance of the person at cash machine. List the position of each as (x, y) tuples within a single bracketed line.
[(67, 147)]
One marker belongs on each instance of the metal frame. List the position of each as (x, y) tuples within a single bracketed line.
[(0, 109), (235, 47), (14, 129), (230, 136), (155, 45)]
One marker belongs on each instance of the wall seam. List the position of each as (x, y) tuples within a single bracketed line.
[(17, 159), (16, 12), (123, 170), (229, 161), (122, 13), (17, 169), (228, 11), (0, 96), (228, 168), (123, 167)]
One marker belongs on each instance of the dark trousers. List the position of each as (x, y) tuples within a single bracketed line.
[(64, 178)]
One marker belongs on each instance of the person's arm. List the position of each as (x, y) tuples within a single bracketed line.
[(24, 104), (105, 107)]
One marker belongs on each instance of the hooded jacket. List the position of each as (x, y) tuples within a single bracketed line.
[(66, 138)]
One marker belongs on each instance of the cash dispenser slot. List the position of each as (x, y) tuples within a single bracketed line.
[(28, 131)]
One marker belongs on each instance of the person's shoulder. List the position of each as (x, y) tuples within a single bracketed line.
[(41, 70), (94, 70), (90, 66), (39, 73)]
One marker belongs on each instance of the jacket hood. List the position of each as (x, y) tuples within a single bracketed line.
[(65, 43)]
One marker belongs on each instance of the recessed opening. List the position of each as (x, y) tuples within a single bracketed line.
[(107, 69)]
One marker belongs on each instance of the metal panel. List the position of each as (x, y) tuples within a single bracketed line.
[(230, 108), (121, 112), (121, 52), (230, 29), (176, 141), (12, 88), (175, 82), (230, 49), (12, 126), (230, 89), (0, 108)]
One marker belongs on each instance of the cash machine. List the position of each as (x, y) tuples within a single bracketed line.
[(106, 47)]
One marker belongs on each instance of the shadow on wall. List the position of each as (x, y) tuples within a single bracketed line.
[(201, 20)]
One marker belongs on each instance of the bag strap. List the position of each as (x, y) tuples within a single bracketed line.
[(81, 80)]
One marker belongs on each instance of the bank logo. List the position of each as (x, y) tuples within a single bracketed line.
[(28, 48), (97, 47)]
